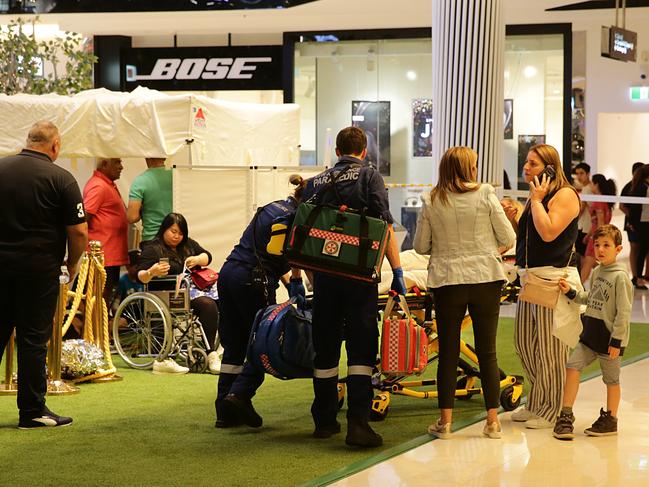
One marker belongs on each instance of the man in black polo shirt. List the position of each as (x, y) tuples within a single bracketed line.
[(41, 209)]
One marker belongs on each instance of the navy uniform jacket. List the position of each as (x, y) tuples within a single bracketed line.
[(360, 187), (243, 253)]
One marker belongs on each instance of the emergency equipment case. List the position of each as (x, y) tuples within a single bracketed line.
[(337, 240), (404, 344)]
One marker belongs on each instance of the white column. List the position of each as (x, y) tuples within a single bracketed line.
[(468, 56)]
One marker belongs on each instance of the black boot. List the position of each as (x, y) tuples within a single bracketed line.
[(325, 404), (223, 420), (241, 407), (360, 433)]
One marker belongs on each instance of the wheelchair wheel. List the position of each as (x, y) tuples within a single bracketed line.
[(196, 360), (142, 330)]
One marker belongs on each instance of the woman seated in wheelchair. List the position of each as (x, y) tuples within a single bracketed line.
[(169, 252)]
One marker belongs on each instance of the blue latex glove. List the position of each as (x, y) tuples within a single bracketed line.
[(398, 284), (296, 290)]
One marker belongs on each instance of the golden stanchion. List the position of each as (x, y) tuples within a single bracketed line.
[(55, 385), (99, 332), (9, 387)]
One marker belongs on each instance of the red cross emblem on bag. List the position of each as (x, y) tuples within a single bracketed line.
[(331, 248)]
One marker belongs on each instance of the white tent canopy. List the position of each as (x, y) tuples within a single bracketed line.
[(147, 123)]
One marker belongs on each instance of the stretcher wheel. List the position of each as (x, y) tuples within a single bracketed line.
[(506, 399), (380, 407), (196, 360), (142, 330), (342, 388)]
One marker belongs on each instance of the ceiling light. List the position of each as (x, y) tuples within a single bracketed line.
[(411, 75), (530, 71)]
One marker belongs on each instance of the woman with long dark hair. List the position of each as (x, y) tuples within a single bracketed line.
[(463, 227), (169, 252), (600, 214)]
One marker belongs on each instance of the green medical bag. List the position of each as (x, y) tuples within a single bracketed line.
[(337, 241)]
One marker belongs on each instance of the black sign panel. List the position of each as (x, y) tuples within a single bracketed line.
[(203, 68), (619, 44)]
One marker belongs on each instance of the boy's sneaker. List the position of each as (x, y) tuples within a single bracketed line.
[(46, 420), (563, 428), (168, 366), (605, 425)]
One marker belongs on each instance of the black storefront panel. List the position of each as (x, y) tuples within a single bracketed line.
[(203, 68)]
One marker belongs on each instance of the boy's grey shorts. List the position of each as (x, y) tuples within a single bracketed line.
[(582, 356)]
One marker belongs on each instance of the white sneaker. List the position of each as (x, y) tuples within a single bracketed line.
[(440, 430), (492, 430), (214, 362), (523, 414), (168, 366), (538, 424)]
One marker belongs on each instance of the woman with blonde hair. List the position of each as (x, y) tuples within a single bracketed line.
[(546, 231), (462, 226)]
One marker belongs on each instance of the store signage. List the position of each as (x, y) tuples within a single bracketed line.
[(619, 44), (203, 68), (639, 93)]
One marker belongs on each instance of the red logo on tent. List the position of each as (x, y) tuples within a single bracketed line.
[(199, 114)]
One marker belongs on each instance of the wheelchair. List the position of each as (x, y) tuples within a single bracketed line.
[(157, 324)]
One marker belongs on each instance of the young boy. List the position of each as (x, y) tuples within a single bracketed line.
[(128, 283), (605, 334)]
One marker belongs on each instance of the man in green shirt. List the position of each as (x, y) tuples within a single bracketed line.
[(150, 197)]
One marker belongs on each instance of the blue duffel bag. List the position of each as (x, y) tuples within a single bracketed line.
[(280, 341)]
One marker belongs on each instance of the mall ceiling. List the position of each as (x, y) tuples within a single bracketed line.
[(81, 6), (599, 4)]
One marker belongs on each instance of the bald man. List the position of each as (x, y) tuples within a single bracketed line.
[(41, 211), (107, 222)]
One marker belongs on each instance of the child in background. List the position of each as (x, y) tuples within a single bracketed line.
[(128, 283), (605, 333)]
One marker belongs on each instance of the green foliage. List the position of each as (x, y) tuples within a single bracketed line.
[(66, 60)]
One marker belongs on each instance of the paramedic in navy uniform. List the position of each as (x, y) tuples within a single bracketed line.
[(239, 301), (340, 302), (41, 209)]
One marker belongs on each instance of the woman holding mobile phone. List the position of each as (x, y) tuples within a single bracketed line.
[(546, 234), (170, 251)]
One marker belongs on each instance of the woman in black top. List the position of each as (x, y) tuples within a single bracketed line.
[(172, 242), (546, 234), (641, 228)]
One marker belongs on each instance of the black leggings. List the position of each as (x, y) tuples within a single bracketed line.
[(642, 230), (451, 302), (207, 312)]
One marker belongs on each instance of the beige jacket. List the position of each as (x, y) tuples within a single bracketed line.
[(463, 238)]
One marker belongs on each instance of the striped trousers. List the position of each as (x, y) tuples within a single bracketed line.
[(544, 358)]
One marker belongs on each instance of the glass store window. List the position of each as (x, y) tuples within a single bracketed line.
[(534, 99), (375, 84)]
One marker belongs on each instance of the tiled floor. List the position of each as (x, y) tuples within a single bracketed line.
[(531, 458)]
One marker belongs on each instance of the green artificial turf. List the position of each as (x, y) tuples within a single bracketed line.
[(150, 430)]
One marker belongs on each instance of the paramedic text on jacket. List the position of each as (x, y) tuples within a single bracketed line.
[(340, 302)]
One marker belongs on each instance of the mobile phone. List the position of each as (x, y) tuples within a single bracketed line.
[(164, 260), (549, 172)]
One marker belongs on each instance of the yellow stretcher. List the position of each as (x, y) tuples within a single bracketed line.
[(421, 306)]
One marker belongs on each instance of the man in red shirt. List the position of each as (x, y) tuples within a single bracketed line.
[(106, 213)]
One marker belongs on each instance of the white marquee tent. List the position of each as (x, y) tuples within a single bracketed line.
[(240, 154)]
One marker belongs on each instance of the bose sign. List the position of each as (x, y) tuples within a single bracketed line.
[(217, 69)]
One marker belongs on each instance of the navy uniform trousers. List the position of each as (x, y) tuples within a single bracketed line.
[(343, 308), (238, 304)]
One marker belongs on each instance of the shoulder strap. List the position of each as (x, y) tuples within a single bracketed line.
[(315, 198)]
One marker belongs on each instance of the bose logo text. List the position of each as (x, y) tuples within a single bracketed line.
[(197, 68)]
